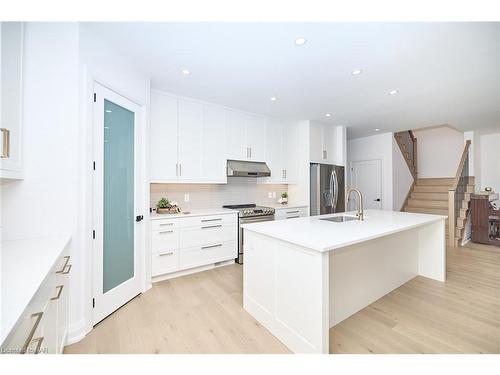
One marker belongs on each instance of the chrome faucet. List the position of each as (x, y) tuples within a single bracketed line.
[(360, 213)]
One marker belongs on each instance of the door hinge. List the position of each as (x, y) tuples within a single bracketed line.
[(93, 234), (93, 303), (95, 97)]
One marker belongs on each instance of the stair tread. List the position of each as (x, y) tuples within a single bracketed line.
[(428, 203)]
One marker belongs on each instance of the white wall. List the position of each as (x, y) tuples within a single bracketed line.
[(369, 148), (489, 153), (402, 178), (439, 151)]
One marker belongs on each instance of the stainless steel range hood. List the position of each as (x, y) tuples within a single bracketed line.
[(238, 168)]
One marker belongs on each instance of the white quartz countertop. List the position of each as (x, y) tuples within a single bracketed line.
[(320, 235), (190, 213), (25, 264), (278, 206)]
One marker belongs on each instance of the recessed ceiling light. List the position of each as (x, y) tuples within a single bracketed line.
[(273, 98), (328, 114), (377, 129), (185, 71), (357, 72), (393, 92), (300, 41)]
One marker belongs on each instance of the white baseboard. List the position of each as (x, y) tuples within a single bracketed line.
[(190, 271), (76, 332)]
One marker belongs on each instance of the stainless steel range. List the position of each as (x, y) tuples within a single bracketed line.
[(249, 213)]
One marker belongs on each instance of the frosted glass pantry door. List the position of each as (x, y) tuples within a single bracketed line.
[(117, 277)]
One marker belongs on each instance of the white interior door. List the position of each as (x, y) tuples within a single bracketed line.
[(116, 189), (366, 175)]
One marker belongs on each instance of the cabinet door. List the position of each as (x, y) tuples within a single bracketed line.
[(11, 45), (190, 140), (163, 138), (316, 143), (274, 152), (236, 145), (330, 143), (214, 144), (290, 156), (256, 137)]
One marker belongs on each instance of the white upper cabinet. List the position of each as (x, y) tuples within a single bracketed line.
[(187, 141), (256, 138), (163, 138), (326, 143), (236, 146), (190, 128), (11, 75), (214, 144), (281, 151), (246, 136)]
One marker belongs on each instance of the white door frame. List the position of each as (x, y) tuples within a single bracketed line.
[(127, 290), (382, 185)]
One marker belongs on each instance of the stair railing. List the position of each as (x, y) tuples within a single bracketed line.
[(457, 192), (407, 143)]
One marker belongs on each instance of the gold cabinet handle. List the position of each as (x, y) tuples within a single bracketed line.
[(60, 289), (39, 341), (38, 317), (65, 264), (67, 269), (5, 143)]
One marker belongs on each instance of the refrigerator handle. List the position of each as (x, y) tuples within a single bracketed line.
[(332, 178), (336, 191)]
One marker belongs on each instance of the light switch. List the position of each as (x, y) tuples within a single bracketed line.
[(186, 197), (274, 194), (270, 194)]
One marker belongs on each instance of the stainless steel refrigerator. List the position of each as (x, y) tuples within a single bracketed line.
[(327, 189)]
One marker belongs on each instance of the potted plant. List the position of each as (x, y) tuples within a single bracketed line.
[(165, 206), (284, 198)]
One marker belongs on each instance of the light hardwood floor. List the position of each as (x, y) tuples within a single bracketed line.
[(203, 313)]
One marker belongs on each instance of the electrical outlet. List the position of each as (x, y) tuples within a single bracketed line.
[(270, 195), (274, 195), (186, 197)]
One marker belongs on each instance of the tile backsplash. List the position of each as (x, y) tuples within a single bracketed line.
[(238, 190)]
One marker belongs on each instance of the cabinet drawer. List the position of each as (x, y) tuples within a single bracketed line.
[(291, 213), (161, 224), (165, 262), (203, 255), (207, 234), (164, 239), (198, 221)]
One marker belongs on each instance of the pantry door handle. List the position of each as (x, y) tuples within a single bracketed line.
[(60, 287), (5, 143), (211, 246)]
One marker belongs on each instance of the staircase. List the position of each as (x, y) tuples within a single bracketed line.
[(439, 196)]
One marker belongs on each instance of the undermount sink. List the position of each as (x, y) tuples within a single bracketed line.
[(340, 219)]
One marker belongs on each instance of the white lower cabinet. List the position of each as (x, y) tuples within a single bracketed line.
[(186, 242), (42, 327), (290, 212)]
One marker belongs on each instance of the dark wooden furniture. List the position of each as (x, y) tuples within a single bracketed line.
[(485, 221)]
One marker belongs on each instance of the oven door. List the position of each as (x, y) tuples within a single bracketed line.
[(248, 220)]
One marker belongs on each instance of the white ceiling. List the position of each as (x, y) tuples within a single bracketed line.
[(445, 72)]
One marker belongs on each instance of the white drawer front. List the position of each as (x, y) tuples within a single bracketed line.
[(207, 234), (164, 239), (202, 255), (291, 213), (161, 224), (165, 262), (208, 220)]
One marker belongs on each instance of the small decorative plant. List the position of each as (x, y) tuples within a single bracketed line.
[(284, 198), (165, 206)]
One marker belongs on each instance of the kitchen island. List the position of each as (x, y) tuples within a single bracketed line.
[(303, 276)]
